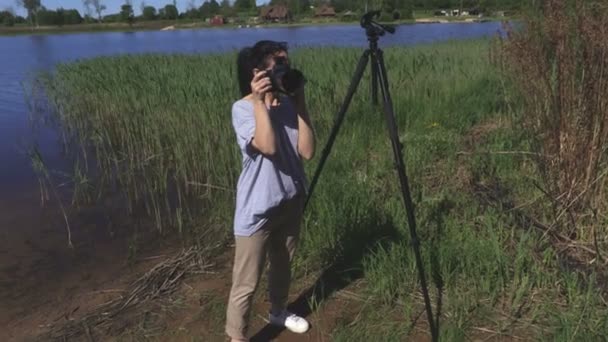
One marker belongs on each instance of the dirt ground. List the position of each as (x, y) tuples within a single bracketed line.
[(45, 283)]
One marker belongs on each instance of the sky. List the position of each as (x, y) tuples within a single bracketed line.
[(113, 6)]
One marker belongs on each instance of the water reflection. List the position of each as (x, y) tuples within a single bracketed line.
[(42, 51)]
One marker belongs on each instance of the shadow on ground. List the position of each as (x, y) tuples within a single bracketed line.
[(359, 240)]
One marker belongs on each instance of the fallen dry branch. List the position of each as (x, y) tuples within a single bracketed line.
[(568, 249), (561, 241), (468, 153), (162, 280)]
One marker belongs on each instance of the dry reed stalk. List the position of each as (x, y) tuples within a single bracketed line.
[(560, 62), (160, 281)]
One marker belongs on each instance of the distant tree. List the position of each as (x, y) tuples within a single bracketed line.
[(88, 10), (191, 11), (407, 9), (293, 5), (60, 17), (342, 5), (421, 4), (243, 5), (98, 6), (113, 18), (225, 8), (149, 13), (72, 17), (469, 4), (7, 18), (209, 8), (404, 9), (191, 5), (170, 12), (32, 7), (215, 7), (46, 17), (88, 19), (389, 6), (204, 11), (126, 13), (442, 4), (304, 6)]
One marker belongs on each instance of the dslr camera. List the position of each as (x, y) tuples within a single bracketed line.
[(283, 78)]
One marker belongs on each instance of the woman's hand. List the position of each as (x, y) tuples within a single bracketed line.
[(260, 85)]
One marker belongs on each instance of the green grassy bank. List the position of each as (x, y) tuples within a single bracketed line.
[(159, 131)]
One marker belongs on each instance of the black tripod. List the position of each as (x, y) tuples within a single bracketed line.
[(373, 31)]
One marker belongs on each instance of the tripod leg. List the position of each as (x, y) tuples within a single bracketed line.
[(338, 121), (405, 190), (374, 80)]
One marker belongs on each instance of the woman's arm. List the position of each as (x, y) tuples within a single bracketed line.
[(264, 138), (306, 136)]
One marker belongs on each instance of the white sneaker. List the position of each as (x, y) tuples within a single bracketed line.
[(290, 321)]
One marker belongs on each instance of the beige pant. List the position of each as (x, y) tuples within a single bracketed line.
[(278, 238)]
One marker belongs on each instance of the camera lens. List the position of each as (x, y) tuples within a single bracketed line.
[(292, 80)]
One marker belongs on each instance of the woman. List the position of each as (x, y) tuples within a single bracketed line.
[(274, 135)]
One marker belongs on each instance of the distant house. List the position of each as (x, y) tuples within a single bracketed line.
[(217, 20), (325, 11), (275, 13)]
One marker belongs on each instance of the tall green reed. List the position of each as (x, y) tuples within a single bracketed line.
[(156, 130), (153, 129)]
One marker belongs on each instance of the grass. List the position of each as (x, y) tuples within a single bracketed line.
[(154, 131)]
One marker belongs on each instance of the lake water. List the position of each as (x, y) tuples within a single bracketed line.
[(21, 56)]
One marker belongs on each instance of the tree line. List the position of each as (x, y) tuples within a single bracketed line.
[(94, 10), (43, 16)]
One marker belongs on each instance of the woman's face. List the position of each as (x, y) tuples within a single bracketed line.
[(271, 60)]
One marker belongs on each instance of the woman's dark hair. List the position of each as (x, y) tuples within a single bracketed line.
[(250, 58)]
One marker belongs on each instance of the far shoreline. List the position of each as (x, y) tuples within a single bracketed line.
[(173, 26)]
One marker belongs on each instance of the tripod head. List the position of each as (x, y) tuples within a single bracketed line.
[(374, 29)]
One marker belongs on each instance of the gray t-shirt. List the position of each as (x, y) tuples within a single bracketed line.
[(264, 182)]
